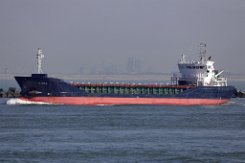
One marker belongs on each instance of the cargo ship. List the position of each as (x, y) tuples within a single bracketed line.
[(197, 83)]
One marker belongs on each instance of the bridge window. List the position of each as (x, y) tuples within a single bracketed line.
[(202, 67)]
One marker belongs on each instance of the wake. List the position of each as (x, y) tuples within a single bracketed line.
[(17, 101), (240, 102)]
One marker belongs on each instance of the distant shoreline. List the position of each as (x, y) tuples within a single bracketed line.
[(119, 77)]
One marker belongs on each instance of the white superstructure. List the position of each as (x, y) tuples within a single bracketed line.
[(201, 73)]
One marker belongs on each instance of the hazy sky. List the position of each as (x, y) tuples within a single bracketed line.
[(86, 33)]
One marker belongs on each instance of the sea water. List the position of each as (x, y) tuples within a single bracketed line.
[(55, 134)]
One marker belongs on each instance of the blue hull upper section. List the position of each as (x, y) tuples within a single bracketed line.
[(39, 85)]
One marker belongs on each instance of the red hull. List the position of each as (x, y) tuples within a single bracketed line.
[(122, 101)]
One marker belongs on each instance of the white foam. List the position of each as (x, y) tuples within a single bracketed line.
[(104, 105), (17, 101)]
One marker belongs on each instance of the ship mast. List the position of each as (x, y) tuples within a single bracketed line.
[(203, 52), (40, 56)]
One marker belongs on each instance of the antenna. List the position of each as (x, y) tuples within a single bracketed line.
[(182, 59), (203, 51), (40, 56)]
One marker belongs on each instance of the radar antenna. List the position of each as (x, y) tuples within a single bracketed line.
[(40, 56)]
